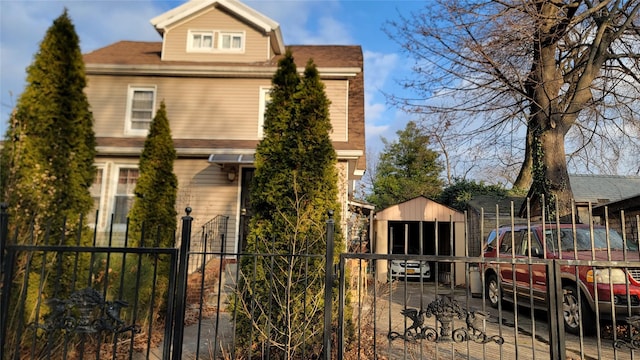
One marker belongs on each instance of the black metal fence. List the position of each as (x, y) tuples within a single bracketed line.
[(85, 301), (163, 303)]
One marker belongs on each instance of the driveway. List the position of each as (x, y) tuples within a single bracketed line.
[(525, 332)]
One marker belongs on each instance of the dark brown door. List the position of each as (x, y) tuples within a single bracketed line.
[(246, 213)]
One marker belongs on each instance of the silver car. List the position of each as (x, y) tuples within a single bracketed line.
[(410, 269)]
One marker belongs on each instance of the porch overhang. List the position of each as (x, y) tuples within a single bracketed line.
[(232, 158)]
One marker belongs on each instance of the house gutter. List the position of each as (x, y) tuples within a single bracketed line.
[(209, 71)]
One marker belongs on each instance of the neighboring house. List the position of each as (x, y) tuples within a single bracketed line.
[(213, 69), (623, 215), (596, 190)]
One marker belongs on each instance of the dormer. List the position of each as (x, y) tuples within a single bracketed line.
[(218, 31)]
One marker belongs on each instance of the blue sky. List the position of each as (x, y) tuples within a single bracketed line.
[(23, 24)]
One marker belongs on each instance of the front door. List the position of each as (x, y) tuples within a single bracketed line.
[(246, 212)]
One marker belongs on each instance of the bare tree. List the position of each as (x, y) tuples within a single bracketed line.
[(555, 79)]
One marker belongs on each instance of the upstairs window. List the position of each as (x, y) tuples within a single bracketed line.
[(209, 41), (200, 40), (141, 104), (265, 99), (231, 41)]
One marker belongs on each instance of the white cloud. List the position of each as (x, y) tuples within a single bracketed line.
[(307, 22), (395, 120), (329, 31), (377, 67), (374, 111)]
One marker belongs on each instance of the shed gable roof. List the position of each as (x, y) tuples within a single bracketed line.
[(420, 209), (170, 18)]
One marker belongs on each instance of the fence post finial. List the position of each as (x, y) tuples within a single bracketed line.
[(181, 293)]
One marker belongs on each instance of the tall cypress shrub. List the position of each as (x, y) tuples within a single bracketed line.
[(156, 189), (49, 146), (47, 169), (152, 219), (280, 299)]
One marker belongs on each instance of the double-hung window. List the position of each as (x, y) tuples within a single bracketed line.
[(231, 41), (200, 41), (141, 103), (265, 99), (96, 193), (124, 195)]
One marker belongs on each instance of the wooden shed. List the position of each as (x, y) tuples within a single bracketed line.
[(423, 227)]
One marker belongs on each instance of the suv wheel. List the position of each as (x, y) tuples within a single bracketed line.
[(493, 290), (571, 309)]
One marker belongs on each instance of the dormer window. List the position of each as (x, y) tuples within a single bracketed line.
[(231, 41), (201, 40), (215, 41)]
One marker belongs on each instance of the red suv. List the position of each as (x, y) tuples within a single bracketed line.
[(565, 242)]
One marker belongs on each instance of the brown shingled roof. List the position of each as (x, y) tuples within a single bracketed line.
[(149, 53), (126, 53), (327, 55)]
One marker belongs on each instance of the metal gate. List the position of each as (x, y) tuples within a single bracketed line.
[(519, 303)]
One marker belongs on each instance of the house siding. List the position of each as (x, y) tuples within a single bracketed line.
[(631, 224), (202, 186), (256, 46), (200, 108), (213, 102)]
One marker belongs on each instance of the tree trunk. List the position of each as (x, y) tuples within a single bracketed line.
[(550, 174), (525, 176), (548, 123)]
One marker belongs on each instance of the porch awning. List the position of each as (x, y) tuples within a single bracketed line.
[(222, 159)]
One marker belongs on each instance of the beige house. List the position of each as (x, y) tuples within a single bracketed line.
[(212, 66), (421, 226)]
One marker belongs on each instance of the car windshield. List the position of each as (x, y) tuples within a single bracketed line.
[(582, 239)]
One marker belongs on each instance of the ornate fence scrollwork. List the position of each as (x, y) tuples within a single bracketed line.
[(445, 309), (85, 312), (632, 340)]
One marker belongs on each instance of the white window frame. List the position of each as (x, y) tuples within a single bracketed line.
[(190, 39), (232, 34), (264, 99), (101, 197), (115, 178), (129, 130)]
